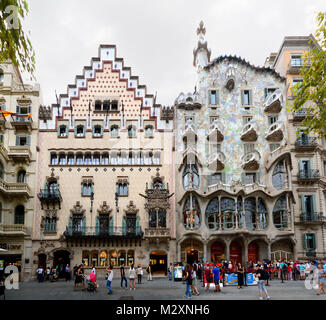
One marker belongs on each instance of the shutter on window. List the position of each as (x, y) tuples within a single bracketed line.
[(93, 130), (18, 109), (28, 140), (137, 225), (124, 226), (70, 226), (314, 241), (83, 130), (92, 187), (265, 92), (305, 241), (242, 97), (102, 130), (217, 97), (84, 226), (300, 165), (250, 97), (29, 109), (310, 165), (58, 131), (17, 140), (46, 191), (111, 226), (75, 130), (223, 178), (97, 226), (314, 205), (117, 188), (67, 130), (82, 188), (243, 177), (258, 177), (303, 207)]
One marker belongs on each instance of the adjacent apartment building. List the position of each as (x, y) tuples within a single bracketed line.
[(18, 158)]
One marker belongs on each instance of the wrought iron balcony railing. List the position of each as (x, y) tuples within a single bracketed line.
[(306, 142), (308, 174), (310, 252), (311, 217), (109, 232), (46, 194)]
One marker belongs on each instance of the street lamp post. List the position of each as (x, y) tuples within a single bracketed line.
[(117, 208), (91, 210)]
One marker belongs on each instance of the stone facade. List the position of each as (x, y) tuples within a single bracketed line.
[(105, 182), (18, 158)]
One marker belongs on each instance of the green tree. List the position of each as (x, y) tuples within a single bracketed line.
[(311, 93), (15, 45)]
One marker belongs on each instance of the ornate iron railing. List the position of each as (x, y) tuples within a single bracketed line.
[(311, 217), (118, 232), (308, 174), (306, 142)]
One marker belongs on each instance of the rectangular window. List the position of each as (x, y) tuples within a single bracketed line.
[(307, 205), (249, 147), (310, 241), (296, 61), (213, 97), (249, 178), (272, 119), (268, 91), (215, 178), (22, 140), (246, 120), (246, 98), (296, 81)]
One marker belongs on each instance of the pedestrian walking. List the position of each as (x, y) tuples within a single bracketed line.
[(194, 289), (240, 273), (262, 276), (40, 274), (321, 277), (208, 277), (75, 271), (79, 278), (188, 281), (48, 272), (170, 269), (132, 276), (123, 276), (289, 271), (216, 272), (109, 278), (149, 271), (67, 272), (139, 273)]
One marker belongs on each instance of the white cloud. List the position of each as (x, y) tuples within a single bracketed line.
[(156, 38)]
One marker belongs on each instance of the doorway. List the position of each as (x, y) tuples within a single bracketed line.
[(61, 259), (235, 252), (217, 251), (253, 252), (42, 260), (158, 260), (192, 256)]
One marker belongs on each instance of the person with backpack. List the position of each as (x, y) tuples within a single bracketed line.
[(262, 276)]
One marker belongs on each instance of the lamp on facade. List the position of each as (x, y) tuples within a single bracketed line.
[(117, 207), (91, 209)]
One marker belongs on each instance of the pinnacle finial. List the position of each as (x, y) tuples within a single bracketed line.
[(201, 29)]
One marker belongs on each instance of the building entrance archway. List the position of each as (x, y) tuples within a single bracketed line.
[(217, 251), (235, 252), (61, 259), (159, 261), (42, 260), (253, 252)]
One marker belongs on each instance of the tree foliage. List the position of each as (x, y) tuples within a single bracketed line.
[(15, 45)]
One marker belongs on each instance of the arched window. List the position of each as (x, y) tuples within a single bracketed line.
[(98, 105), (191, 214), (54, 158), (105, 158), (212, 214), (71, 158), (280, 214), (2, 171), (262, 215), (114, 131), (62, 131), (97, 131), (114, 105), (96, 159), (19, 215), (79, 158), (21, 176), (228, 213), (157, 158), (122, 189), (250, 211), (190, 177), (279, 176), (88, 158), (131, 131), (131, 159), (149, 131), (87, 189), (53, 187), (1, 75), (62, 159), (80, 131)]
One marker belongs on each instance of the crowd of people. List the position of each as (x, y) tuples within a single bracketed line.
[(212, 274)]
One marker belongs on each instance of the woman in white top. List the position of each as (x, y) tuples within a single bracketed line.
[(132, 276), (139, 273), (93, 269)]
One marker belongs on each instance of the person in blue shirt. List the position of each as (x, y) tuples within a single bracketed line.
[(324, 266), (216, 272)]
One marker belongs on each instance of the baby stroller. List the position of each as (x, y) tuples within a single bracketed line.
[(91, 283)]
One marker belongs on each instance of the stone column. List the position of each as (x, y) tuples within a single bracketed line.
[(245, 252), (179, 252), (205, 250), (269, 251), (227, 249)]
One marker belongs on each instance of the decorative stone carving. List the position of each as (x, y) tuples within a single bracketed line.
[(77, 209), (104, 209), (45, 113), (131, 208)]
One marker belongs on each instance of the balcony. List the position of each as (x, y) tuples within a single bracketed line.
[(20, 154), (309, 176), (215, 132), (251, 160), (47, 196), (299, 115), (275, 132), (20, 123), (310, 253), (216, 161), (295, 66), (16, 189), (107, 233), (311, 217), (249, 132), (305, 144), (13, 229), (157, 233), (273, 102)]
